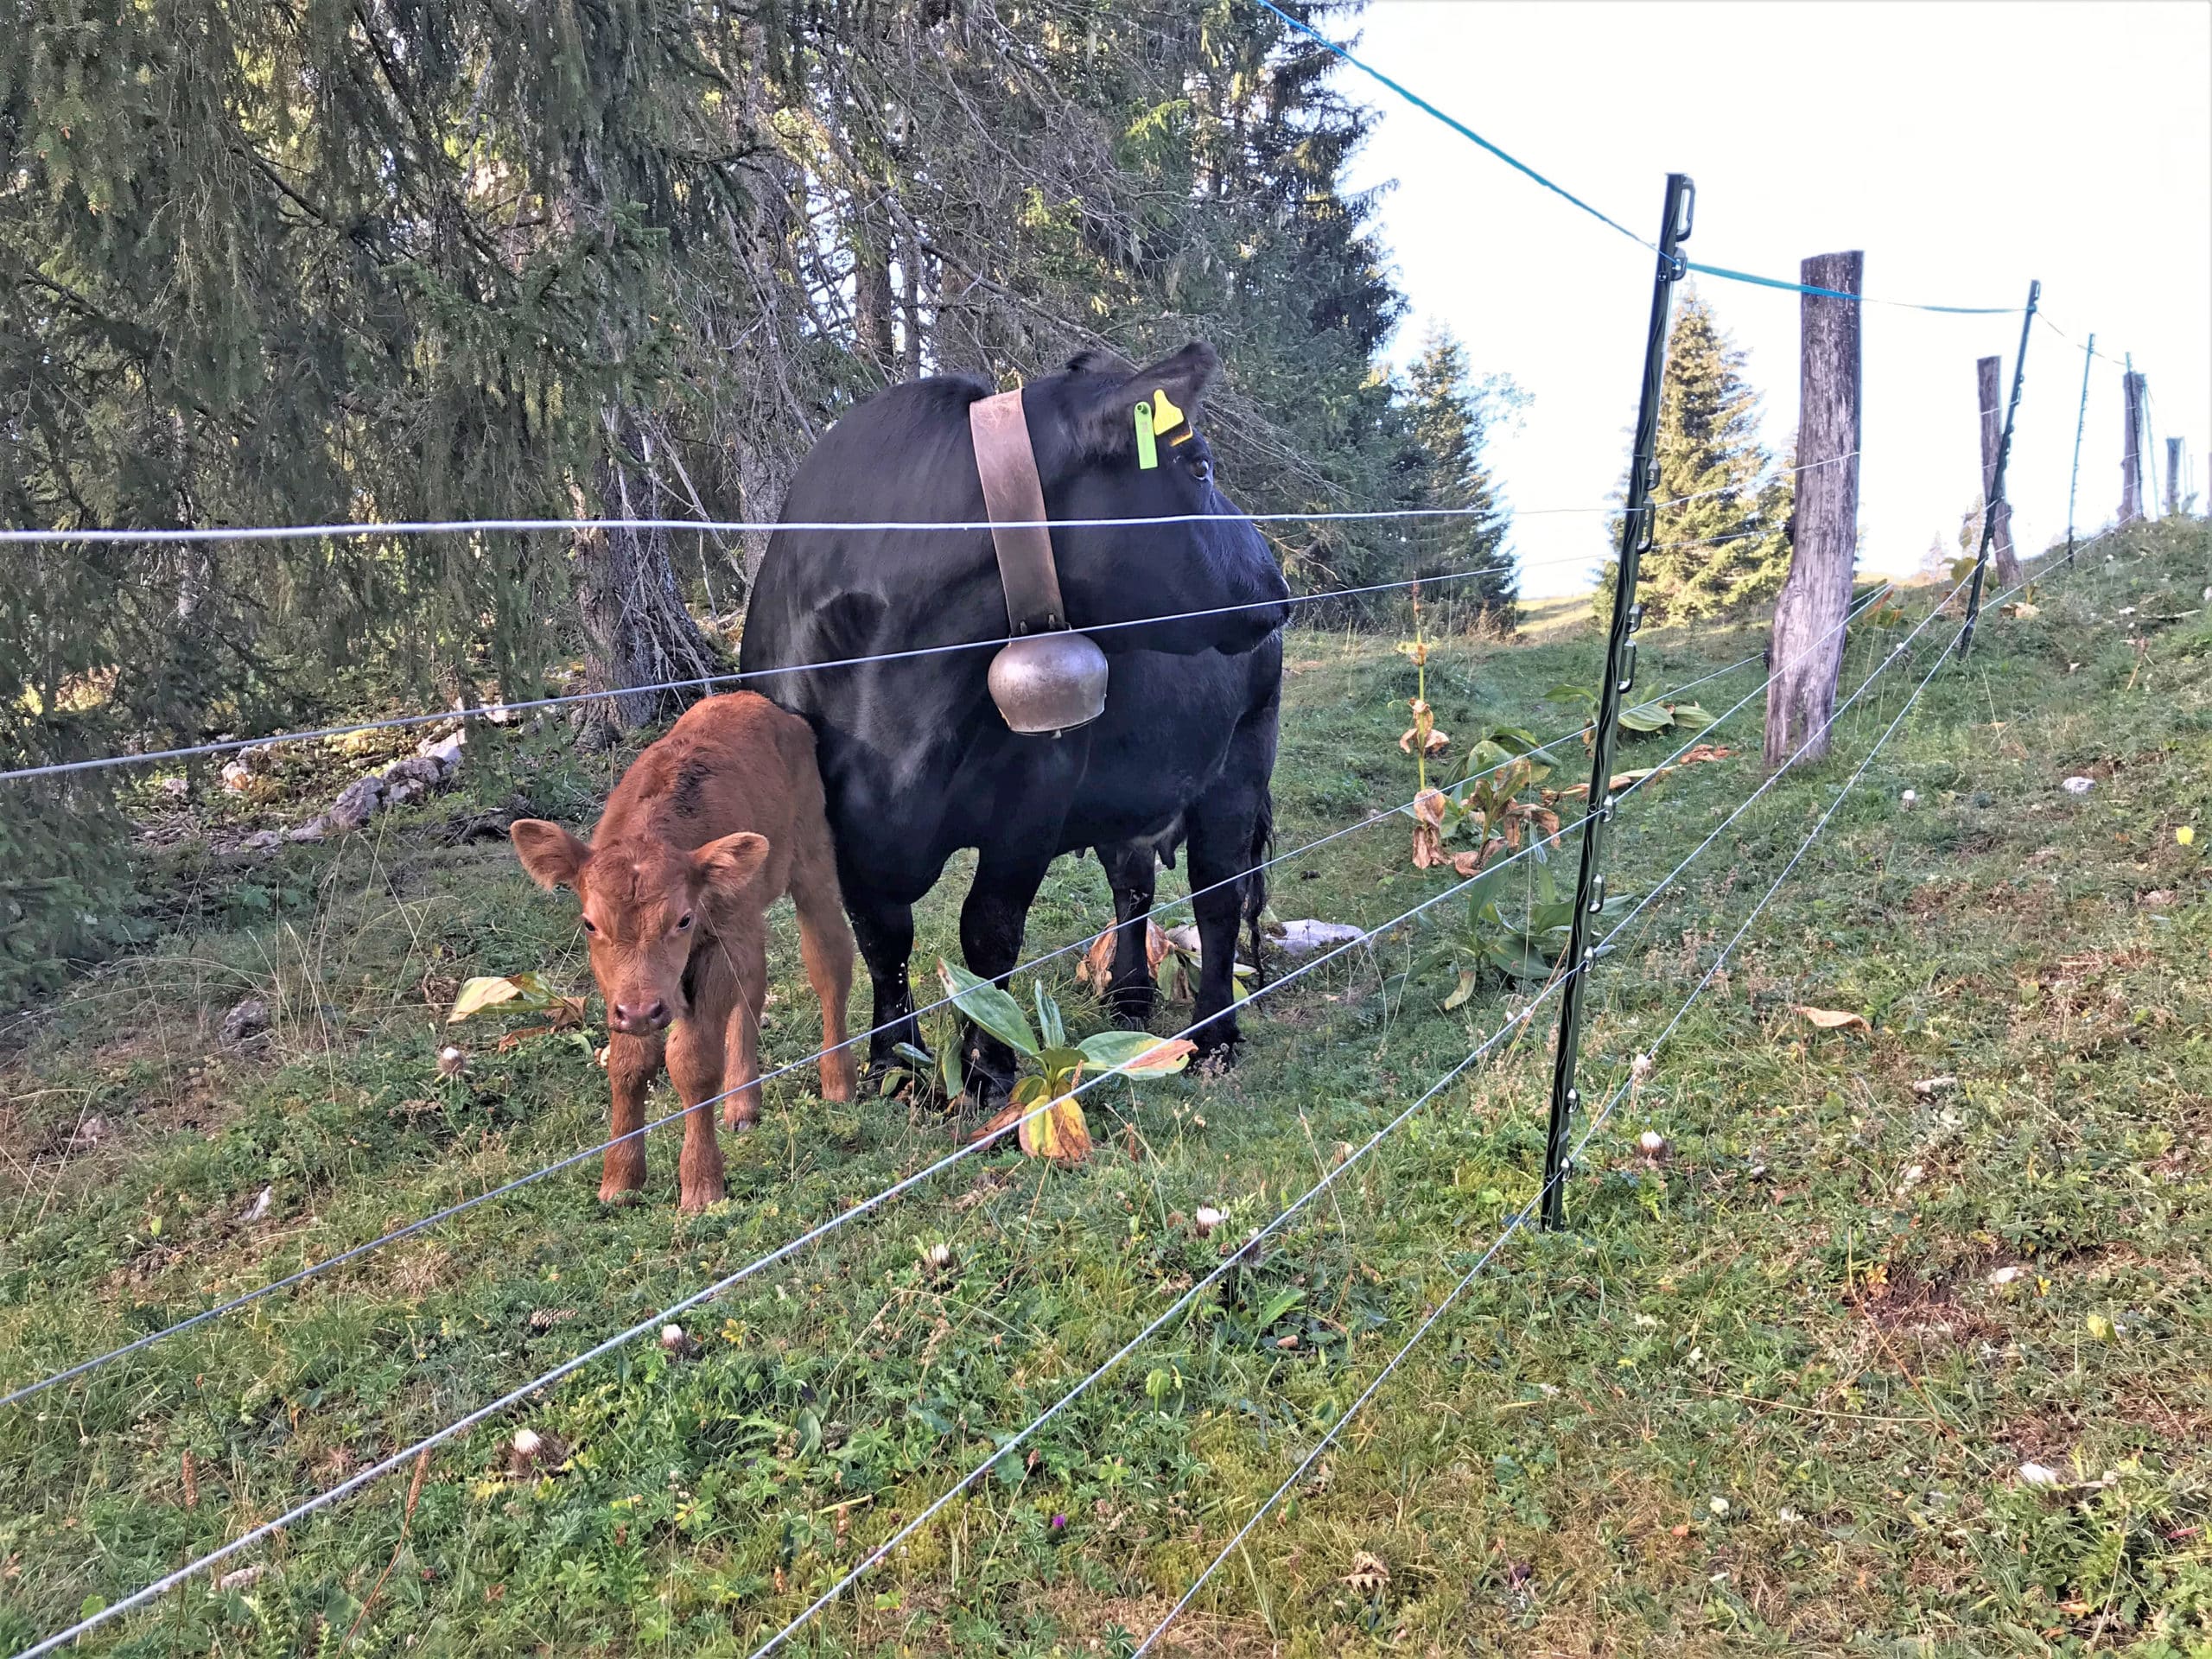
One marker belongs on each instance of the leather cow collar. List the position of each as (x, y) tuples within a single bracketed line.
[(1049, 679)]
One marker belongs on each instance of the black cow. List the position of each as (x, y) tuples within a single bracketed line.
[(916, 758)]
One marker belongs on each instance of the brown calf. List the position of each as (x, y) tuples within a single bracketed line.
[(705, 830)]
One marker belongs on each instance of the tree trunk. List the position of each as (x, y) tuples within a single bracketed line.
[(637, 631), (2173, 478), (762, 478), (872, 300), (1807, 648), (910, 262), (1986, 373), (2131, 449)]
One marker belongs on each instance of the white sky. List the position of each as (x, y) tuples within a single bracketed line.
[(1964, 147)]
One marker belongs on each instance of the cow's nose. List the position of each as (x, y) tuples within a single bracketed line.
[(651, 1016)]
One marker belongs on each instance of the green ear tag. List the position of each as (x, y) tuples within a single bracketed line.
[(1148, 446)]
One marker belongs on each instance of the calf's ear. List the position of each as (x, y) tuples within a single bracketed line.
[(1107, 419), (728, 866), (550, 854)]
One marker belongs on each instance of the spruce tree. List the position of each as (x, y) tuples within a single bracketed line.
[(1720, 538), (1448, 415), (266, 264)]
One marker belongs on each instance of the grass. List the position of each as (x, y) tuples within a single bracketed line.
[(1772, 1392)]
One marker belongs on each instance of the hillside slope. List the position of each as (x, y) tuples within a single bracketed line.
[(1777, 1390)]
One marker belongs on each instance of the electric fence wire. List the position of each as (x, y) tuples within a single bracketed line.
[(867, 1205), (1515, 1021), (1597, 1120), (1240, 1256), (2043, 317), (1721, 957), (1520, 166), (720, 1285), (358, 530), (354, 1253), (622, 1338), (376, 1471), (499, 713)]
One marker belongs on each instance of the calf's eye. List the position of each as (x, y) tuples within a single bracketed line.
[(683, 923), (588, 928)]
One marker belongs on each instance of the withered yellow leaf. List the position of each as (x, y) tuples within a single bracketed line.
[(1833, 1019), (1059, 1132), (478, 995)]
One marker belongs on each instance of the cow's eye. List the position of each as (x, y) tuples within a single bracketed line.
[(683, 923), (589, 928), (1201, 468)]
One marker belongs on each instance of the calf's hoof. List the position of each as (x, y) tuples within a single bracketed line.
[(694, 1200), (740, 1114), (837, 1079), (623, 1181)]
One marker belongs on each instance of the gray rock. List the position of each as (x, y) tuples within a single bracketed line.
[(245, 1022)]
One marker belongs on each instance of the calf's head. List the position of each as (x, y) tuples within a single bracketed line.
[(646, 905), (1083, 426)]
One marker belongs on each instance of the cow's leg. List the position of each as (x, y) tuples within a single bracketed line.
[(740, 1052), (825, 944), (1230, 829), (885, 930), (991, 921), (1132, 874), (632, 1062), (696, 1061)]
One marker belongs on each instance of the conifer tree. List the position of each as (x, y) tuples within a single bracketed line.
[(1720, 538), (1448, 415), (264, 263)]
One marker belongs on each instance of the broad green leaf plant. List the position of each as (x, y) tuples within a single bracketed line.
[(1057, 1132)]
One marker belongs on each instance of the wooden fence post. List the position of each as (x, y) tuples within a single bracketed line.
[(1807, 647), (1985, 370), (2173, 478), (2131, 448)]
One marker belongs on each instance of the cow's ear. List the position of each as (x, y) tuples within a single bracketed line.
[(728, 866), (1109, 418), (552, 855)]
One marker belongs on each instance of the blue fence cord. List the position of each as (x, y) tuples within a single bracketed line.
[(1457, 126), (1520, 166), (1838, 294)]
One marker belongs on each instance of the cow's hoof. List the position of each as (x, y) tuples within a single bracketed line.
[(621, 1198), (698, 1203), (1130, 1011), (917, 1085), (987, 1093), (740, 1117), (1217, 1052)]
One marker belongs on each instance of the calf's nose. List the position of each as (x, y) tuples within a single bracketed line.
[(649, 1016)]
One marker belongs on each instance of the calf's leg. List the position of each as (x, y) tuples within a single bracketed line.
[(632, 1062), (747, 960), (825, 944), (695, 1066)]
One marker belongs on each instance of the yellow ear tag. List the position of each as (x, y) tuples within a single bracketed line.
[(1165, 417)]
